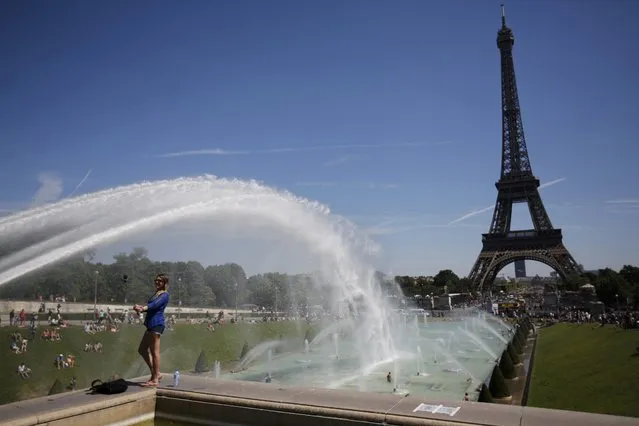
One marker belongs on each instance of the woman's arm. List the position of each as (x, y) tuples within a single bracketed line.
[(158, 303)]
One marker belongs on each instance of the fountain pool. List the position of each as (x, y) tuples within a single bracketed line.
[(433, 358)]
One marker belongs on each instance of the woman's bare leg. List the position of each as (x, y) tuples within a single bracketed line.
[(154, 349), (144, 350)]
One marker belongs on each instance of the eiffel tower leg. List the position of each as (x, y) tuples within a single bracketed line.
[(540, 218), (502, 215), (480, 271), (566, 262), (489, 263)]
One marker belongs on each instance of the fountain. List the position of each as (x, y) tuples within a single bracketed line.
[(217, 369), (480, 343), (336, 345), (420, 362), (368, 343), (257, 352)]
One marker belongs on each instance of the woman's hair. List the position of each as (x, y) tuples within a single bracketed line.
[(164, 278)]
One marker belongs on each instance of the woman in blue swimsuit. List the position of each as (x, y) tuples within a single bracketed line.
[(150, 345)]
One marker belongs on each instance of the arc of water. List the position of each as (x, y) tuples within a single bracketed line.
[(93, 221), (480, 343)]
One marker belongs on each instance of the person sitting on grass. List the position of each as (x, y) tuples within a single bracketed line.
[(149, 347), (59, 361), (55, 336), (14, 347), (23, 370)]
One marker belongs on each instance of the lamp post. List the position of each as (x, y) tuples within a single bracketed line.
[(276, 295), (617, 298), (95, 290), (237, 288), (179, 296)]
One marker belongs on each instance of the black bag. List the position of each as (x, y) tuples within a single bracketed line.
[(109, 388)]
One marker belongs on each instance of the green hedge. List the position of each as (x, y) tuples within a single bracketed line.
[(498, 387), (245, 350), (484, 394), (506, 366), (514, 357), (201, 365), (56, 388)]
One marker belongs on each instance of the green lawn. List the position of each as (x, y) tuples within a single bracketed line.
[(586, 368), (180, 350)]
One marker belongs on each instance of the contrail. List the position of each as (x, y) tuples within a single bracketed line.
[(492, 206), (218, 151), (551, 183), (471, 214), (84, 179), (624, 201)]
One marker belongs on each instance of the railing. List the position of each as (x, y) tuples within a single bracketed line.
[(527, 233)]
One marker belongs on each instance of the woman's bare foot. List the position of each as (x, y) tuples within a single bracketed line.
[(150, 384)]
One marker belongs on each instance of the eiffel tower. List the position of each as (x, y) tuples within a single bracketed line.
[(517, 184)]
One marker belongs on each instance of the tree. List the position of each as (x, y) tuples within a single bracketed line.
[(197, 293), (447, 278), (611, 287)]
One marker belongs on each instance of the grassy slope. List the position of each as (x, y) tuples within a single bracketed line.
[(586, 368), (180, 350)]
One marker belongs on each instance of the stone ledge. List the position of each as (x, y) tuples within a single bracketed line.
[(79, 408), (257, 403), (200, 399)]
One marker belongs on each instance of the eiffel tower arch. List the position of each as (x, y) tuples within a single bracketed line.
[(517, 184)]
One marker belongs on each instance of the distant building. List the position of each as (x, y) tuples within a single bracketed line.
[(520, 268)]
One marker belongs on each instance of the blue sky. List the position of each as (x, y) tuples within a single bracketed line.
[(388, 112)]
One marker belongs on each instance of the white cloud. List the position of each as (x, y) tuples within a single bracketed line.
[(492, 206), (338, 161), (50, 189), (219, 151)]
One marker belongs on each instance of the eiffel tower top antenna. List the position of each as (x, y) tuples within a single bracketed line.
[(503, 15)]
